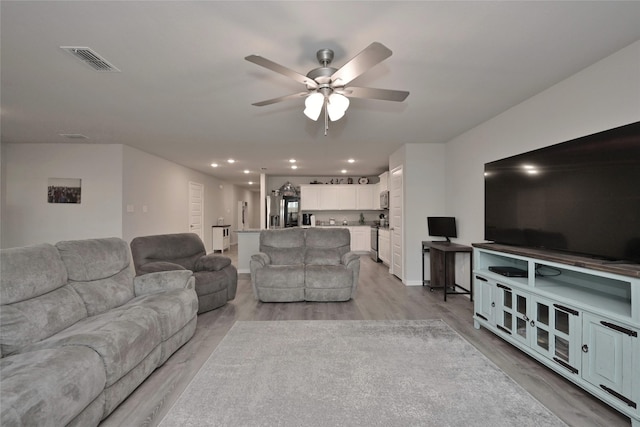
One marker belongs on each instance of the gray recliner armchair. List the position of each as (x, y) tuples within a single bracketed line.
[(297, 264), (216, 278)]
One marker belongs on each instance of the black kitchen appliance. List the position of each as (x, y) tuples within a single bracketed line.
[(306, 219)]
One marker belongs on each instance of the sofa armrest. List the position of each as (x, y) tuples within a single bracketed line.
[(350, 258), (261, 259), (156, 266), (163, 281), (212, 262)]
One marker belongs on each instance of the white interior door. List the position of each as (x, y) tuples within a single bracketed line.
[(196, 209), (395, 222)]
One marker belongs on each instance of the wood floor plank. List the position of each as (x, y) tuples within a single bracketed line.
[(380, 296)]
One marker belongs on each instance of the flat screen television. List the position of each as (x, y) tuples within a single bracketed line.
[(442, 226), (581, 196)]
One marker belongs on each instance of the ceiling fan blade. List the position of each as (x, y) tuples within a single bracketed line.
[(370, 56), (372, 93), (266, 63), (281, 98)]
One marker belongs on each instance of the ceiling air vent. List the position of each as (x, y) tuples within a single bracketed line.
[(90, 58)]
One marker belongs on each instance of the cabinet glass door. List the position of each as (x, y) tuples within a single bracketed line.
[(557, 333), (512, 312)]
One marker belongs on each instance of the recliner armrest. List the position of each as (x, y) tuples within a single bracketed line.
[(349, 258), (261, 259), (157, 266), (212, 262), (163, 281)]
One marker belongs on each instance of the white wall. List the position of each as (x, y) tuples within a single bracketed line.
[(602, 96), (163, 187), (28, 218), (113, 176), (424, 195)]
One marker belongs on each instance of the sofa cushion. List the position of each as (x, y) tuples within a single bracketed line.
[(33, 320), (122, 336), (36, 300), (328, 277), (212, 262), (339, 238), (284, 247), (286, 256), (180, 248), (319, 256), (29, 272), (281, 276), (100, 270), (49, 387), (174, 309)]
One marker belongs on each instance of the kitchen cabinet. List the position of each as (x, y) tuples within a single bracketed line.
[(365, 197), (220, 238), (360, 238), (577, 316), (310, 197), (347, 197), (337, 197), (384, 182), (328, 198)]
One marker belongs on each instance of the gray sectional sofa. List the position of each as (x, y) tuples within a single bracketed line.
[(298, 264), (79, 332)]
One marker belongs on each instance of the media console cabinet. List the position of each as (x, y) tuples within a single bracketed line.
[(578, 316)]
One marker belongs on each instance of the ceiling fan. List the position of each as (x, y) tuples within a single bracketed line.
[(328, 87)]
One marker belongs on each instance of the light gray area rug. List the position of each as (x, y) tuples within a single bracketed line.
[(352, 373)]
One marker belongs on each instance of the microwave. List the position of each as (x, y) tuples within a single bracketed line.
[(384, 200)]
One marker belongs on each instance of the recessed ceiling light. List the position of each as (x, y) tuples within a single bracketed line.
[(294, 167), (214, 165), (292, 160), (231, 161), (343, 171), (351, 161), (250, 182), (246, 171)]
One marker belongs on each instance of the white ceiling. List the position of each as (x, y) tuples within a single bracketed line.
[(184, 92)]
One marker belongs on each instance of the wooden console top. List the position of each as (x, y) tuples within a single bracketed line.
[(632, 270)]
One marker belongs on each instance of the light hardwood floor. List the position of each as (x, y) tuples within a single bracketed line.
[(380, 296)]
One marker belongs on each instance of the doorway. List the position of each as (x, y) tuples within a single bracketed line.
[(196, 209), (395, 224)]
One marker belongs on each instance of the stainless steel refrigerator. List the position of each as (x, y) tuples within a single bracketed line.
[(282, 211)]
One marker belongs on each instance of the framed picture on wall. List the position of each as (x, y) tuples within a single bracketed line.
[(64, 190)]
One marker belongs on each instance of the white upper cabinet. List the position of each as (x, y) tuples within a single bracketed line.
[(347, 197), (338, 197), (384, 182), (365, 197), (310, 197)]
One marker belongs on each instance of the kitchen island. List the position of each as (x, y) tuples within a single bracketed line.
[(248, 244)]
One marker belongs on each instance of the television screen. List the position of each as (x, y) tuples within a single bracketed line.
[(580, 196), (442, 226)]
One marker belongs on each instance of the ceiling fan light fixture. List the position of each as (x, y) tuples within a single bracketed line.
[(313, 104), (336, 106)]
